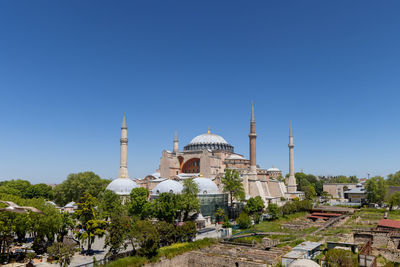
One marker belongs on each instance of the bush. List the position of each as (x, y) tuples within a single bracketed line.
[(226, 223), (244, 220), (340, 257)]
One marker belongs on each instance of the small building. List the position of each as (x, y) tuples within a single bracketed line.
[(71, 207), (337, 189), (356, 195), (312, 249), (387, 224)]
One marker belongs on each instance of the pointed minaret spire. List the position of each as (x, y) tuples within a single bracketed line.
[(252, 140), (124, 122), (176, 144), (292, 187), (123, 169), (252, 112)]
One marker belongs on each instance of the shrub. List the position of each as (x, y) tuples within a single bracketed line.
[(244, 220), (226, 223)]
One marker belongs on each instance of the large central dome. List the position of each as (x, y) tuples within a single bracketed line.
[(209, 141)]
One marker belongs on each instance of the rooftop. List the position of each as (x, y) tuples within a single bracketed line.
[(389, 223), (307, 245)]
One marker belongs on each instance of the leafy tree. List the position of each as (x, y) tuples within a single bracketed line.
[(394, 200), (220, 213), (109, 202), (309, 192), (139, 205), (226, 223), (117, 231), (233, 185), (67, 224), (274, 211), (254, 205), (341, 258), (92, 227), (39, 191), (166, 207), (394, 179), (166, 232), (188, 198), (76, 184), (244, 220), (145, 235), (376, 189), (15, 187), (63, 253)]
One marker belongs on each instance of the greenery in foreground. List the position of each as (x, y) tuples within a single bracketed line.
[(164, 252)]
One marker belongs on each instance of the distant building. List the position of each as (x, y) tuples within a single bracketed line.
[(356, 195), (306, 250), (337, 189), (71, 207)]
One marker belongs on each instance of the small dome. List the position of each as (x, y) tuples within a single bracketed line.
[(208, 138), (122, 186), (168, 186), (273, 169), (206, 186), (156, 174), (235, 156), (304, 263)]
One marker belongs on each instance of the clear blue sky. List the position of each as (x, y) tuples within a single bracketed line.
[(69, 70)]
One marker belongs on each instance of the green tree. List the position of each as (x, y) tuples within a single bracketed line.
[(309, 192), (117, 231), (233, 185), (226, 223), (39, 191), (145, 235), (244, 220), (92, 227), (76, 184), (394, 200), (166, 207), (62, 253), (189, 231), (394, 179), (188, 198), (341, 258), (274, 211), (254, 207), (167, 233), (220, 213), (376, 189), (109, 202), (139, 205), (67, 224)]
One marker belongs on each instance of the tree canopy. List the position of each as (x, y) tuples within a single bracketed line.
[(76, 184), (376, 188), (233, 185)]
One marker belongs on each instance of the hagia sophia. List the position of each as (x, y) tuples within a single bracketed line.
[(205, 160)]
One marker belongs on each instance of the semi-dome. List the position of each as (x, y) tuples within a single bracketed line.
[(209, 141), (122, 186), (206, 186), (304, 263), (168, 186), (235, 156)]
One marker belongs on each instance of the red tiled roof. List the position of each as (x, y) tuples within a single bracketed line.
[(389, 223)]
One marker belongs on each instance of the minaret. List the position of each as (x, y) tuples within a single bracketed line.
[(252, 140), (292, 187), (176, 145), (123, 169)]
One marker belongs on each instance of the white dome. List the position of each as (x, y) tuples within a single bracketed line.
[(235, 156), (273, 169), (168, 186), (206, 186), (122, 186), (208, 138), (304, 263)]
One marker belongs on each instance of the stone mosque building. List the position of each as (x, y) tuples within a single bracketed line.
[(208, 155)]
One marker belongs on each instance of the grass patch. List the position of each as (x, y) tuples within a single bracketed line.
[(167, 252), (180, 248), (249, 239)]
